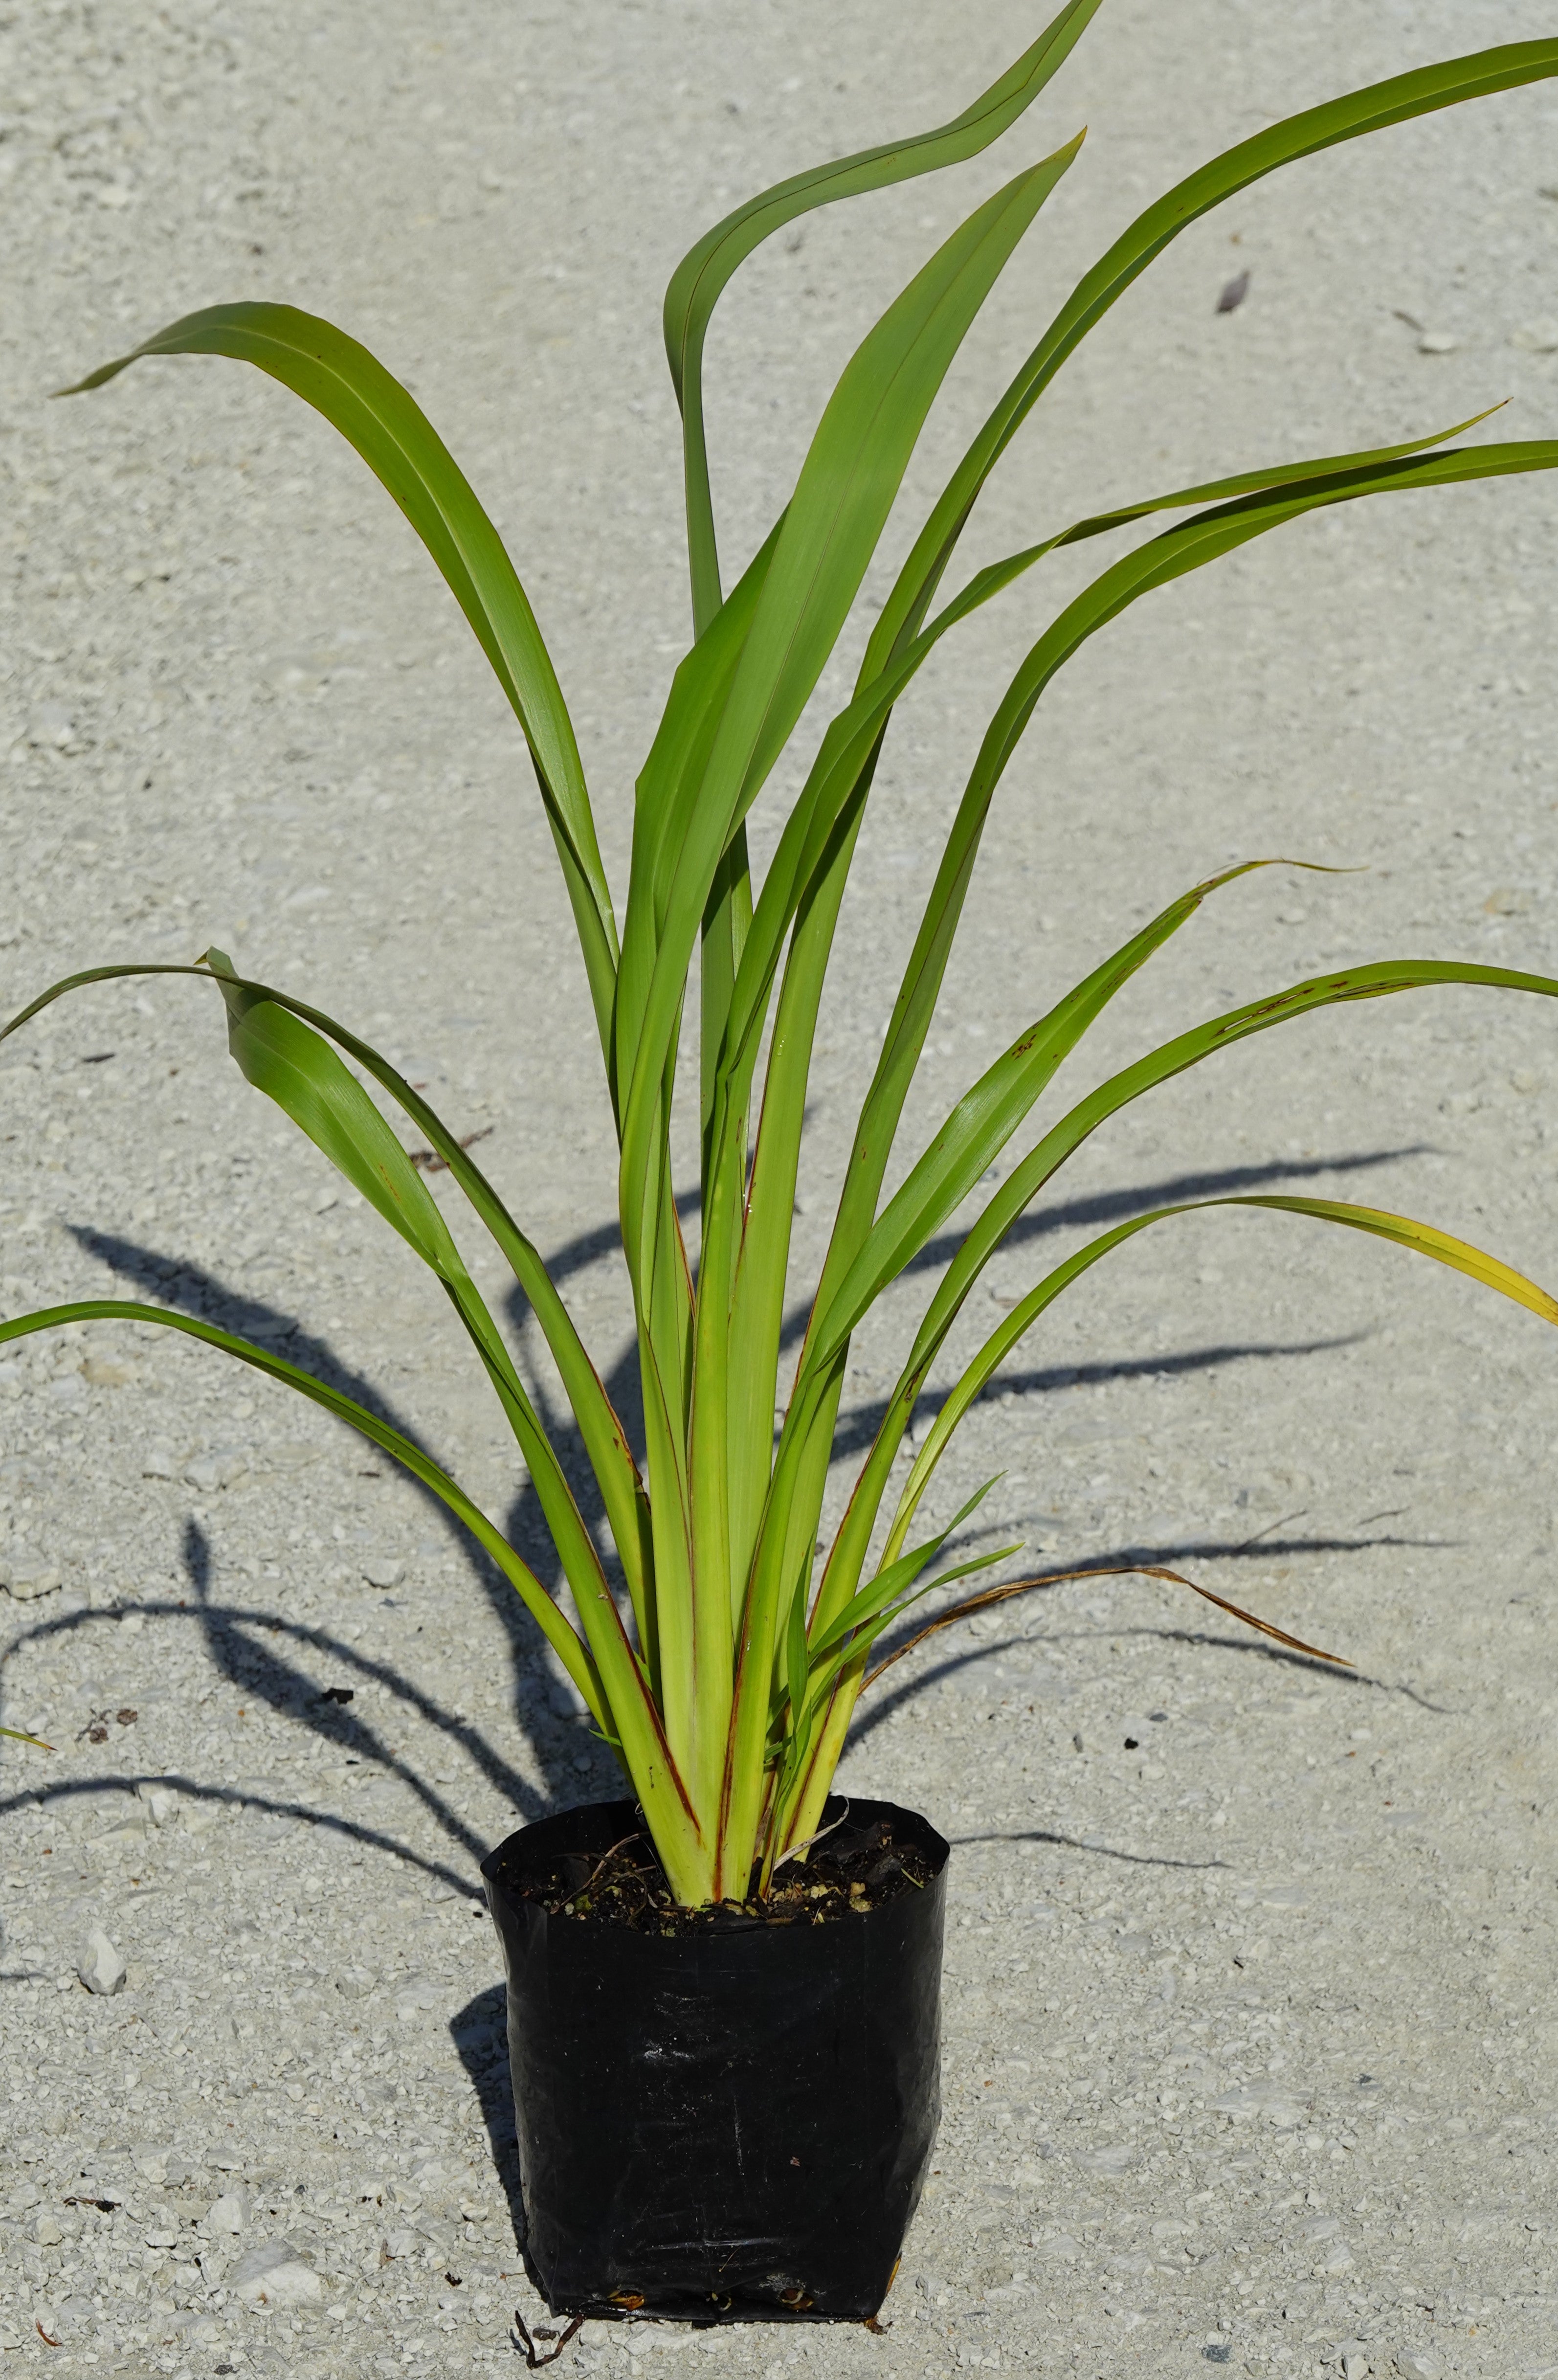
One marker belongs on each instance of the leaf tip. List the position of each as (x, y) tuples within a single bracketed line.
[(92, 380)]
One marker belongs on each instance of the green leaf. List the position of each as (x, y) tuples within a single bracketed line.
[(565, 1643), (605, 1440), (990, 1229), (296, 1067), (831, 527), (1381, 979), (985, 1117), (292, 1064), (811, 1693), (1349, 118), (870, 1626), (1424, 1239), (1187, 546), (811, 831), (897, 1575), (612, 1687), (399, 444), (696, 285), (803, 886), (668, 787)]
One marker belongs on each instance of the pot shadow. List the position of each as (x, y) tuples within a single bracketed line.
[(190, 1289), (481, 2037)]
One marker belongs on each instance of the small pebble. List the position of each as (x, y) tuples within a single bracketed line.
[(100, 1966), (273, 2274), (218, 1469), (161, 1800), (229, 2212), (1438, 343), (380, 1570), (39, 1582), (1536, 338)]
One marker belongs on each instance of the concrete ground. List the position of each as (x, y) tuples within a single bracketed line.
[(1249, 2013)]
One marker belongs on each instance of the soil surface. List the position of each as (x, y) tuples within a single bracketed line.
[(852, 1871), (1250, 2009)]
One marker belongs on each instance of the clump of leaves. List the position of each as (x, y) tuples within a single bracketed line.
[(720, 1664)]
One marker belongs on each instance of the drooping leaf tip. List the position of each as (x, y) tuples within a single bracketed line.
[(92, 380)]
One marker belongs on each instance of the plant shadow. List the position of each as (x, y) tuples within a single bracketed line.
[(230, 1630)]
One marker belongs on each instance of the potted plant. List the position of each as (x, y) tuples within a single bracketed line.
[(723, 1989)]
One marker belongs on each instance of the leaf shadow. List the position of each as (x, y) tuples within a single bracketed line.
[(1107, 1206), (858, 1423), (1076, 1843), (191, 1289)]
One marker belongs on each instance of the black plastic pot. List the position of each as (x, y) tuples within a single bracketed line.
[(728, 2125)]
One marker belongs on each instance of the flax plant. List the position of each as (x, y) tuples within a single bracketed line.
[(719, 1648)]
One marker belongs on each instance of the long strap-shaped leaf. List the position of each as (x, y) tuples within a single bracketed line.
[(826, 1744), (992, 1109), (848, 1266), (1427, 1239), (668, 785), (1347, 118), (399, 444), (605, 1440), (1375, 982), (804, 885), (1380, 979), (852, 735), (296, 1067), (570, 1650), (696, 285), (1185, 547), (831, 527)]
